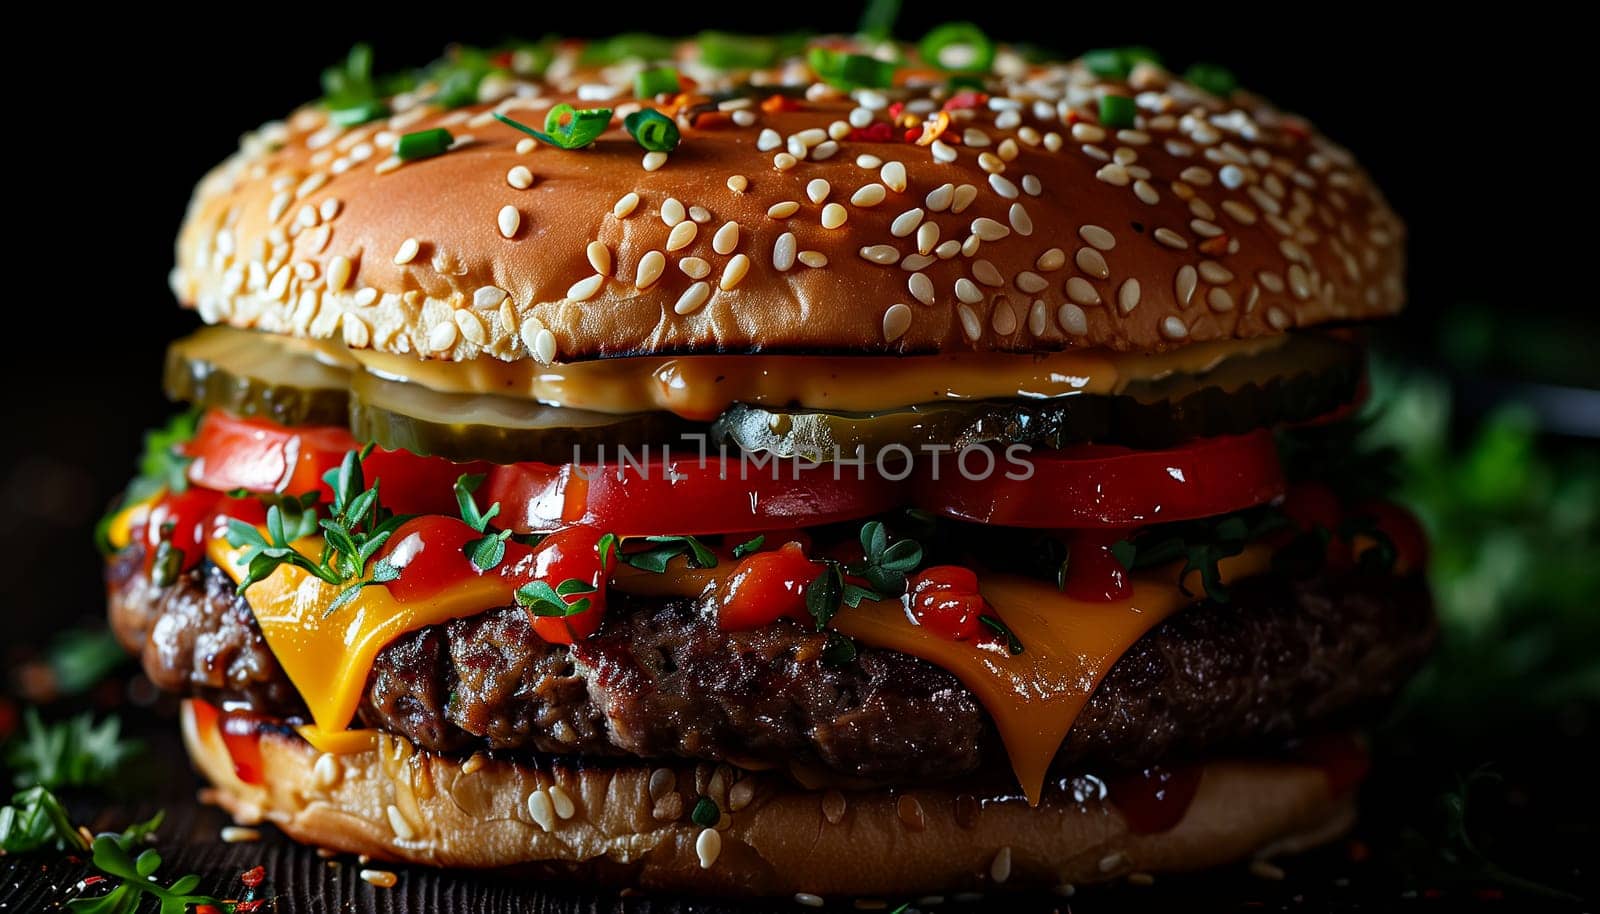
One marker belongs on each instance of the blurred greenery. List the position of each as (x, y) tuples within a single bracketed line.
[(1514, 520)]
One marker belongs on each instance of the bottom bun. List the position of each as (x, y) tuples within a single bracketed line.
[(630, 824)]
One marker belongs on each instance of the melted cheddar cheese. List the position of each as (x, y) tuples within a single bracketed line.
[(1033, 698)]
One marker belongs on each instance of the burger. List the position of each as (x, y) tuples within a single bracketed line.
[(757, 466)]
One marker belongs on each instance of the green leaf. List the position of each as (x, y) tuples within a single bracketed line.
[(839, 650), (606, 548), (824, 595), (998, 625), (854, 595), (111, 856), (76, 752), (539, 598), (36, 820), (655, 560), (749, 546), (80, 658), (487, 552)]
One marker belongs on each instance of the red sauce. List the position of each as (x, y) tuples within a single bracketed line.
[(188, 520), (1154, 800), (241, 736), (767, 586), (1093, 572)]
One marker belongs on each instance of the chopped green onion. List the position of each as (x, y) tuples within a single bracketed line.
[(1117, 111), (847, 71), (1117, 63), (1211, 78), (705, 813), (629, 46), (726, 51), (565, 126), (350, 82), (358, 114), (877, 20), (532, 58), (423, 144), (958, 47), (655, 81), (652, 130)]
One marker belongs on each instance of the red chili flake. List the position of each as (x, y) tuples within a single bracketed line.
[(913, 134), (876, 132), (207, 909), (1214, 246), (249, 907), (253, 877), (502, 60), (711, 120), (895, 110), (93, 880), (776, 103), (1073, 116), (968, 99)]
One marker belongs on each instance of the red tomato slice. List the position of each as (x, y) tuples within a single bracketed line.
[(261, 456), (686, 495), (1105, 486)]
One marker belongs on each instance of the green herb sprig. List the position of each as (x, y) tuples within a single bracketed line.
[(76, 752), (565, 127), (113, 855), (489, 550), (539, 598), (667, 548), (884, 567), (1200, 544)]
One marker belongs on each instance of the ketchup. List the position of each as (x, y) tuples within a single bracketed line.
[(1155, 799), (767, 586), (241, 736), (188, 520)]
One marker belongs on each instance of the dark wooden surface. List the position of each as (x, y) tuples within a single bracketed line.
[(1356, 875)]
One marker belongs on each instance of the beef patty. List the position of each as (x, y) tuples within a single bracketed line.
[(1283, 659)]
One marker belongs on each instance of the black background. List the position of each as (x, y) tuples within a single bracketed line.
[(1446, 113)]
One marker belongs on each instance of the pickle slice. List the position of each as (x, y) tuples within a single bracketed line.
[(401, 416), (1299, 381), (256, 375)]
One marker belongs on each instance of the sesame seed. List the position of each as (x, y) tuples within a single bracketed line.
[(1085, 132), (1003, 186), (1113, 174), (1215, 273), (868, 161), (806, 898), (471, 327), (365, 296), (1231, 176), (973, 328), (783, 210), (692, 298), (783, 251), (964, 195), (1020, 220), (1204, 228), (520, 177), (906, 223), (815, 259), (868, 195), (599, 257), (1278, 318), (1173, 328), (1097, 236), (726, 239), (397, 822), (1299, 281), (234, 834), (562, 802), (927, 237), (738, 183), (383, 879), (1031, 282), (1000, 867), (968, 291), (1082, 291), (672, 212), (768, 140), (338, 273), (1170, 238), (653, 161), (1219, 299), (880, 253), (625, 205), (407, 252), (896, 321), (969, 247), (708, 847), (985, 272), (651, 266), (735, 271), (1141, 879), (1146, 192), (442, 337), (1031, 185), (784, 161), (1073, 319), (1092, 262), (488, 296), (921, 288), (817, 190), (834, 215), (838, 130), (695, 267), (740, 794), (894, 176), (1111, 861), (1038, 318), (940, 198), (525, 146), (824, 151), (989, 230), (1128, 295), (682, 235), (744, 118), (1003, 319), (991, 163), (1007, 150), (326, 772), (943, 152), (474, 763), (1239, 212), (1053, 259), (509, 220), (1184, 284), (913, 262), (948, 249), (1263, 869)]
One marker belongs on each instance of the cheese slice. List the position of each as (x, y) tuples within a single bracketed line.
[(1034, 698), (1068, 647)]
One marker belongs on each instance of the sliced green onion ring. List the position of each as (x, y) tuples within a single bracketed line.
[(565, 127), (423, 144), (958, 47), (358, 114), (847, 71), (653, 130), (1217, 80), (727, 51), (1117, 111), (655, 81)]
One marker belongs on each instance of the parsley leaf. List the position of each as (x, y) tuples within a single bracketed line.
[(749, 546), (886, 565), (75, 752), (34, 820), (824, 595), (668, 548), (487, 551), (539, 598), (1199, 544), (161, 466), (137, 874)]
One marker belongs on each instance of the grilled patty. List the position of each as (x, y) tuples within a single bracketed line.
[(1283, 659)]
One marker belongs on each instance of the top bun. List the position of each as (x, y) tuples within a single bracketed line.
[(793, 216)]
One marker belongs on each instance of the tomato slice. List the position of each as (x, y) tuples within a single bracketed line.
[(260, 456), (1105, 486), (684, 495)]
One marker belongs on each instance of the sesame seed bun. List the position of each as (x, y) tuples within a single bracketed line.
[(784, 230), (631, 825)]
